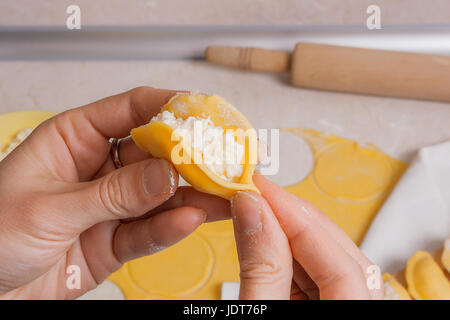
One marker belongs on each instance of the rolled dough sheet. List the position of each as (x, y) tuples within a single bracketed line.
[(349, 182)]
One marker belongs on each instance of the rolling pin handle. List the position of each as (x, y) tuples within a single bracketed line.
[(255, 59)]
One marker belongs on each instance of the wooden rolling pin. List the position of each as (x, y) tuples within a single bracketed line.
[(347, 69)]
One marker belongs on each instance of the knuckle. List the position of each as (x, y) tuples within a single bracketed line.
[(30, 203), (140, 90), (37, 221), (139, 115), (28, 214), (262, 272), (65, 119), (301, 233), (351, 273), (112, 197)]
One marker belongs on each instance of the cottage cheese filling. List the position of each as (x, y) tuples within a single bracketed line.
[(219, 150)]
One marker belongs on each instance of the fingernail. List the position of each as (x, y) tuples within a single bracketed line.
[(158, 178), (246, 213)]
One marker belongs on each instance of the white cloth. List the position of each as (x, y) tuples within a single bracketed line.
[(417, 213)]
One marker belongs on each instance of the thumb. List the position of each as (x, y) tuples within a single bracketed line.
[(263, 249), (128, 192)]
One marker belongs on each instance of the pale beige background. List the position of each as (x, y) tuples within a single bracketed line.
[(164, 12)]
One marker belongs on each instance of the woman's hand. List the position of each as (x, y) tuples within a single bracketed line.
[(289, 250), (63, 202)]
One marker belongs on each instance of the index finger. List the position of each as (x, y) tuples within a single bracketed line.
[(335, 272), (115, 116)]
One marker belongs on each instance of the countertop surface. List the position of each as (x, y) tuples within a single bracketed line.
[(398, 126)]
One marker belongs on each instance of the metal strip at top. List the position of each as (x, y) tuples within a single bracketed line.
[(189, 42)]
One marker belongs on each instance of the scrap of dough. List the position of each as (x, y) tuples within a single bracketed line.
[(393, 290), (426, 280)]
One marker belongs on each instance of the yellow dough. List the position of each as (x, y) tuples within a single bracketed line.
[(185, 278), (349, 182), (156, 138), (345, 171), (393, 290), (426, 280), (192, 269), (13, 122)]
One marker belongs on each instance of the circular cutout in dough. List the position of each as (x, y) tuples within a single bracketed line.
[(296, 160), (176, 271), (348, 172)]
